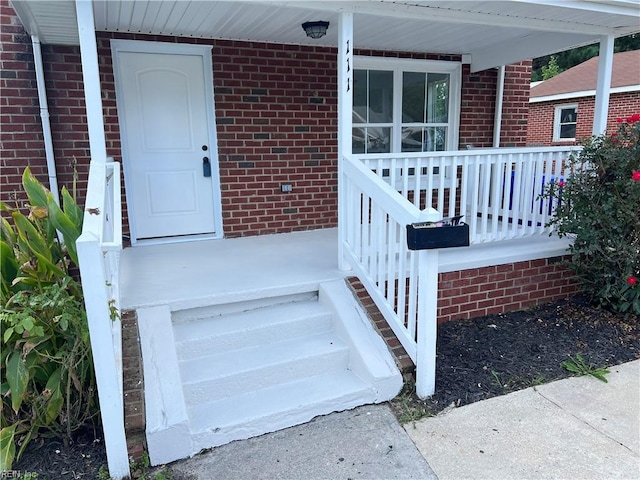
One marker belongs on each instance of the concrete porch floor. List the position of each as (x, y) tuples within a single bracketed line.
[(209, 272), (198, 273)]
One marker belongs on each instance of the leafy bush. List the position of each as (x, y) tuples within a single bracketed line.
[(47, 370), (599, 206)]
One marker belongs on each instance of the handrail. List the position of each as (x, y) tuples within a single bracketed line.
[(99, 248), (470, 152), (375, 245), (496, 190)]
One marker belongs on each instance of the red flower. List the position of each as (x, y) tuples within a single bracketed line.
[(636, 176), (619, 120), (634, 118), (632, 281), (561, 183)]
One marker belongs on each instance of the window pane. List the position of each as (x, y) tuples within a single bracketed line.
[(435, 139), (357, 140), (568, 131), (380, 96), (378, 140), (568, 115), (360, 96), (371, 140), (413, 93), (412, 139), (438, 98)]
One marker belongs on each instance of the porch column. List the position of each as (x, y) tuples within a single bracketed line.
[(91, 80), (605, 66), (91, 260), (345, 102)]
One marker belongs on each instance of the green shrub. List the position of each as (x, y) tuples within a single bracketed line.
[(600, 209), (47, 370)]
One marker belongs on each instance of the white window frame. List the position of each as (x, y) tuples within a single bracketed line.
[(557, 122), (400, 65)]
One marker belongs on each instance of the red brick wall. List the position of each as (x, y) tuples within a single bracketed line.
[(21, 136), (276, 113), (20, 127), (503, 288), (478, 106), (540, 130), (515, 108)]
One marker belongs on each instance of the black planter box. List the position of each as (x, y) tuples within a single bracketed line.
[(425, 236)]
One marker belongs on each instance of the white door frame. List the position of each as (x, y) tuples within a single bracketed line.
[(135, 46)]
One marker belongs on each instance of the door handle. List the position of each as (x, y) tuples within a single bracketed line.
[(206, 167)]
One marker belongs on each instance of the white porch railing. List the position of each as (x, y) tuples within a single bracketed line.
[(99, 249), (495, 190), (401, 282)]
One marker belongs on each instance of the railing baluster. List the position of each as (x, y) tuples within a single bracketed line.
[(417, 192), (453, 187), (405, 177), (441, 184), (496, 191)]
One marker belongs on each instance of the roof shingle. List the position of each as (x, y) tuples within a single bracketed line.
[(583, 77)]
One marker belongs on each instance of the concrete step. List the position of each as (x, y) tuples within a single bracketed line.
[(218, 373), (214, 334), (238, 371), (270, 409)]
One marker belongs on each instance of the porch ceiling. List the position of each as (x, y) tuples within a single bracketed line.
[(492, 33)]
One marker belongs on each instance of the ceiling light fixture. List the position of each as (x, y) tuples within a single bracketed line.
[(315, 29)]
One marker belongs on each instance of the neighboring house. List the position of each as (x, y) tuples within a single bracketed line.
[(229, 121), (561, 108)]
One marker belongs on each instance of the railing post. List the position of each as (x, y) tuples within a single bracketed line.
[(427, 322), (427, 315), (92, 276)]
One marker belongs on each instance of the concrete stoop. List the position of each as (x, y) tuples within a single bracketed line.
[(229, 372)]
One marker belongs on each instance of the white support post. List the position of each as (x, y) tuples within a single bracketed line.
[(427, 323), (100, 334), (605, 66), (345, 102), (91, 80), (91, 260), (427, 315)]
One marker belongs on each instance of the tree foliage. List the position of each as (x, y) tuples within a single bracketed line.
[(570, 58)]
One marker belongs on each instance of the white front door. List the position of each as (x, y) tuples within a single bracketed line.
[(165, 107)]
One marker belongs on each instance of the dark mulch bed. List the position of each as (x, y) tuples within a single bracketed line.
[(477, 359), (53, 458), (494, 355)]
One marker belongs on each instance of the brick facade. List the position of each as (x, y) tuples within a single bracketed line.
[(133, 386), (540, 129), (503, 288), (479, 102), (276, 115), (20, 126)]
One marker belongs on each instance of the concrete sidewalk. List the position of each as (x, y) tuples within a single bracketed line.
[(363, 443), (577, 428)]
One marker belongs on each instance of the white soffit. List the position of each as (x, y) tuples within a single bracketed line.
[(492, 32)]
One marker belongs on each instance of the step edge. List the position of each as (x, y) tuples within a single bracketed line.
[(335, 346)]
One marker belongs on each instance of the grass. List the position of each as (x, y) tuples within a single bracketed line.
[(407, 407), (140, 470), (578, 366)]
